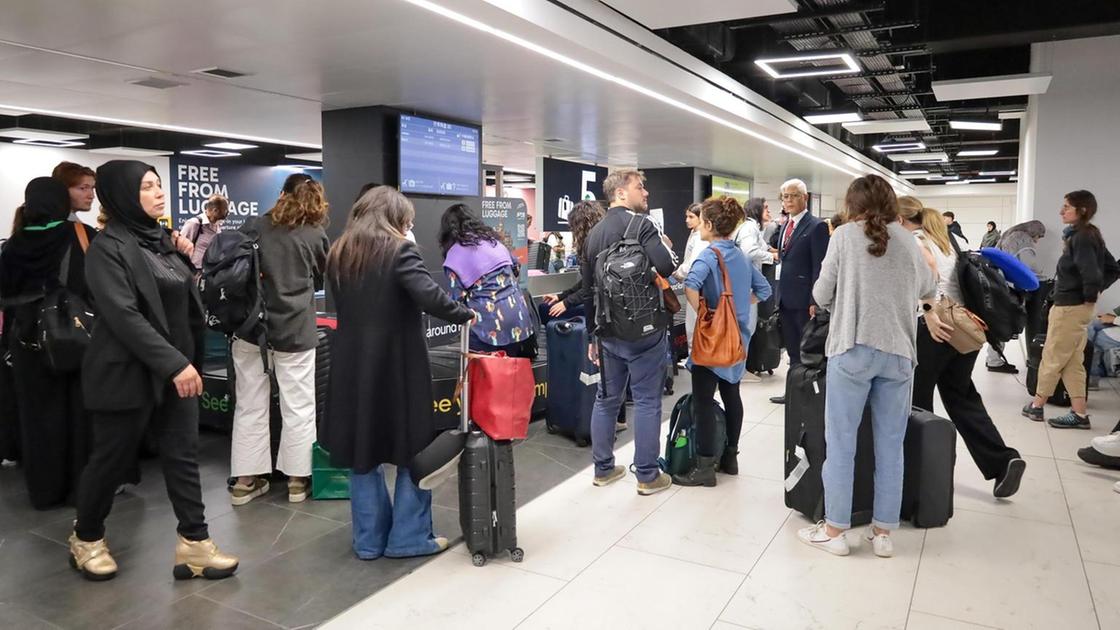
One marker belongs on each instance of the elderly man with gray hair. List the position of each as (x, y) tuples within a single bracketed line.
[(802, 244)]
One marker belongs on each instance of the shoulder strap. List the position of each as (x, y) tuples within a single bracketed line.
[(723, 271), (626, 234), (64, 267), (83, 238)]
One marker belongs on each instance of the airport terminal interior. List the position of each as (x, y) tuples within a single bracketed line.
[(994, 122)]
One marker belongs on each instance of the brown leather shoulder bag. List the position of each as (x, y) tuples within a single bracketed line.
[(717, 342)]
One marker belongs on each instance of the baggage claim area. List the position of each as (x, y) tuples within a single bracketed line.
[(521, 111)]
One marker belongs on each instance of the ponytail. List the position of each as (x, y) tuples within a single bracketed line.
[(871, 199)]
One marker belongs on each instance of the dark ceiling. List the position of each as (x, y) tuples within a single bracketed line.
[(901, 46)]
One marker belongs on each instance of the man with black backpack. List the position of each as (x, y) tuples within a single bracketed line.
[(625, 252)]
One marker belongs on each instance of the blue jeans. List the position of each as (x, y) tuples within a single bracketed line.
[(400, 529), (1102, 344), (853, 378), (644, 362)]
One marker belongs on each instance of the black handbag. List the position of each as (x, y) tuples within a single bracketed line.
[(813, 340), (65, 320)]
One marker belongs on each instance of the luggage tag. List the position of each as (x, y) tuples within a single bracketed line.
[(590, 379), (799, 470)]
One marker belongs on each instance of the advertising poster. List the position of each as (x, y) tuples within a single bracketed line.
[(509, 216), (561, 185), (252, 190)]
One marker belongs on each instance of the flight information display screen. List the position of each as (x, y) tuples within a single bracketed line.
[(439, 158)]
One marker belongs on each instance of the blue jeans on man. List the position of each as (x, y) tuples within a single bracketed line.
[(644, 363), (854, 377), (1102, 346)]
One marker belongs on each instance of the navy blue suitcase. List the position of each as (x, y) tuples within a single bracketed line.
[(572, 380)]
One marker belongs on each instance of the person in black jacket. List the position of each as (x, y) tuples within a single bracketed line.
[(951, 223), (584, 216), (1079, 281), (139, 370), (641, 364), (379, 401), (53, 424)]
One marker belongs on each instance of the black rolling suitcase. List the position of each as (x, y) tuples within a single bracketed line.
[(931, 455), (487, 497), (1060, 397), (572, 380), (765, 351), (805, 450)]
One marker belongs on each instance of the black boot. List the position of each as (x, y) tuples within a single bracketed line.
[(703, 474), (729, 463)]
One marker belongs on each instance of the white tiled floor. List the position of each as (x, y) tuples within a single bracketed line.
[(727, 558)]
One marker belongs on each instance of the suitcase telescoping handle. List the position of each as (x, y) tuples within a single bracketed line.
[(464, 378)]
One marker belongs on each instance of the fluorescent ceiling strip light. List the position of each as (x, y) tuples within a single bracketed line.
[(913, 172), (915, 177), (897, 125), (579, 65), (958, 183), (1013, 115), (230, 146), (987, 180), (311, 157), (913, 158), (1013, 179), (131, 151), (942, 178), (995, 173), (975, 125), (297, 167), (152, 125), (209, 153), (25, 133), (899, 146), (991, 87), (57, 144), (825, 119), (851, 64), (977, 153)]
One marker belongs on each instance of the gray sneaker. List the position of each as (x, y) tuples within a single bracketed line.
[(1032, 412), (240, 494), (1070, 420), (659, 483), (616, 473)]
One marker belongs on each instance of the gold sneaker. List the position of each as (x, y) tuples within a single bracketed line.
[(297, 489), (202, 558), (92, 559)]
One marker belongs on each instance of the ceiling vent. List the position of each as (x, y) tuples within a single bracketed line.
[(157, 83), (221, 73)]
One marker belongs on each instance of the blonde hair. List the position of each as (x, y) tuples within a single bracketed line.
[(619, 179), (933, 226), (307, 205)]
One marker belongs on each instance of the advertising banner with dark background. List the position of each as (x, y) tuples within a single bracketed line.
[(562, 185)]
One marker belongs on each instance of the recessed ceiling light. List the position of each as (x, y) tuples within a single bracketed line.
[(897, 125), (310, 157), (209, 153), (995, 173), (230, 146), (131, 151), (58, 144), (918, 172), (847, 65), (975, 125), (899, 146), (24, 133), (824, 119), (957, 183), (977, 152)]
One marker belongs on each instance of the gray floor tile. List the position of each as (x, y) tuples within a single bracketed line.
[(13, 617), (197, 612)]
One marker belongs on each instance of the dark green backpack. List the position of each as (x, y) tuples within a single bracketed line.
[(680, 445)]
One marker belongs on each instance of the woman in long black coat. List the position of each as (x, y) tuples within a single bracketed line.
[(379, 408)]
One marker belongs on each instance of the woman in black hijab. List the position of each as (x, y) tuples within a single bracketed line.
[(53, 425), (139, 369)]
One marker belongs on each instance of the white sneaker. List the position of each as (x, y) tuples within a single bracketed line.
[(1116, 487), (880, 543), (751, 377), (817, 536), (1107, 444), (9, 463)]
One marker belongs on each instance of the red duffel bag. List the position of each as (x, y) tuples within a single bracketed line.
[(502, 390)]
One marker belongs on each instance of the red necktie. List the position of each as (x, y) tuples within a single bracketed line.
[(785, 237)]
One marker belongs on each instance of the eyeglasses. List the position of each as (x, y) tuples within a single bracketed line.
[(796, 195)]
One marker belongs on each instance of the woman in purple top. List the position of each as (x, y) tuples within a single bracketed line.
[(483, 276)]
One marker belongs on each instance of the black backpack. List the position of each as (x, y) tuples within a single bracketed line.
[(628, 305), (231, 288), (987, 294)]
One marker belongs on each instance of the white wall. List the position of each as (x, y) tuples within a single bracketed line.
[(974, 205), (1077, 136), (20, 164)]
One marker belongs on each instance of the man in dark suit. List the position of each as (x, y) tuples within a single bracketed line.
[(802, 243)]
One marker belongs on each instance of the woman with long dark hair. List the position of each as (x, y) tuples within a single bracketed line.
[(483, 276), (379, 405), (1079, 282), (139, 369), (871, 278), (584, 216), (44, 254)]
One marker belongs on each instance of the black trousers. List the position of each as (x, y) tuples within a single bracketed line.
[(54, 428), (10, 447), (940, 366), (116, 436), (704, 384), (793, 321)]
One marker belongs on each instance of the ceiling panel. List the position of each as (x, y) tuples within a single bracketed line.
[(669, 13)]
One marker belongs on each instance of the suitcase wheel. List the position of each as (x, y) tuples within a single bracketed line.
[(551, 429), (771, 372), (478, 559), (582, 442), (517, 554)]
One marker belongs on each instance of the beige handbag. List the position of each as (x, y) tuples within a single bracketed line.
[(968, 329)]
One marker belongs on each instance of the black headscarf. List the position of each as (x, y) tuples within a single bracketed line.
[(31, 257), (118, 188)]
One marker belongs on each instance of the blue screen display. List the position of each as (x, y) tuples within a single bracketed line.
[(439, 158)]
